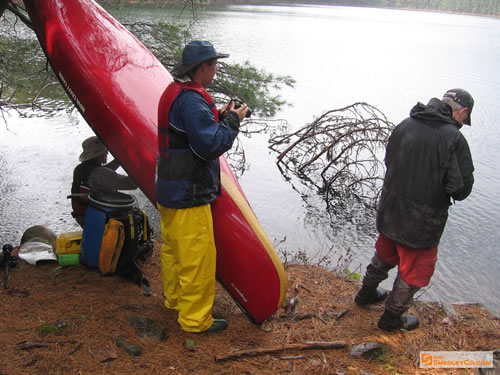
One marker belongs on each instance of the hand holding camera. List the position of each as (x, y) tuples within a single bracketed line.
[(238, 104)]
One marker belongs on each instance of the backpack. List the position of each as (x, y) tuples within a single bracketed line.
[(126, 239), (111, 246)]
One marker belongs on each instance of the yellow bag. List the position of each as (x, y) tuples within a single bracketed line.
[(111, 246)]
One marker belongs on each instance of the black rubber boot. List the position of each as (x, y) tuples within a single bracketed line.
[(217, 326), (391, 323), (367, 296), (376, 272), (399, 300)]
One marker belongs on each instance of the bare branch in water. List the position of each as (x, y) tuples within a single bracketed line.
[(339, 153)]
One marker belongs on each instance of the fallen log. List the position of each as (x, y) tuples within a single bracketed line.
[(298, 346)]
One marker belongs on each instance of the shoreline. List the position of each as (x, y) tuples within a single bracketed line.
[(77, 315)]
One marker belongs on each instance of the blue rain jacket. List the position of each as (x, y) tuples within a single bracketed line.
[(188, 172)]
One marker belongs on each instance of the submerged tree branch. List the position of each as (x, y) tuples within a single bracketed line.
[(339, 152)]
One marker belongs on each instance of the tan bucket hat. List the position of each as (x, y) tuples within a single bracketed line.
[(92, 148)]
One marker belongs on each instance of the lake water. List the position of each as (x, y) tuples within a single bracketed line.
[(338, 55)]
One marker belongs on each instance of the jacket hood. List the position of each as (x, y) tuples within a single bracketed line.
[(435, 113)]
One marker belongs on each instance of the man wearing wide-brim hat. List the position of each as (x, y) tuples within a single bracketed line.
[(94, 175), (192, 135)]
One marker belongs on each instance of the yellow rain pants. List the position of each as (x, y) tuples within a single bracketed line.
[(188, 259)]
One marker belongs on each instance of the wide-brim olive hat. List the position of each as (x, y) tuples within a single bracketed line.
[(92, 148), (194, 53)]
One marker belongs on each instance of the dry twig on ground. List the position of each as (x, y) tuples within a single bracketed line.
[(280, 348)]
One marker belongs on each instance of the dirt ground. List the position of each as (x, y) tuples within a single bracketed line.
[(56, 320)]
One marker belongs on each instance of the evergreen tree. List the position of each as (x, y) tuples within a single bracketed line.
[(26, 80)]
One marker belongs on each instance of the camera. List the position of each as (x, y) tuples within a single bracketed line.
[(238, 103)]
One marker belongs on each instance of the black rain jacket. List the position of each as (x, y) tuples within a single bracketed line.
[(428, 164)]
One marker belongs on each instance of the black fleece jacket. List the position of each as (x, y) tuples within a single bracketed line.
[(428, 164)]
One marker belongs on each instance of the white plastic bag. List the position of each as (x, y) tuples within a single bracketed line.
[(34, 252)]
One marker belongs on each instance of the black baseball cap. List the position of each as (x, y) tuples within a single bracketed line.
[(462, 97)]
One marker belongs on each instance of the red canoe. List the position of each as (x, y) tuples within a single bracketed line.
[(116, 83)]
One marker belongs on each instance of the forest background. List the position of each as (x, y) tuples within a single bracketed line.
[(480, 7)]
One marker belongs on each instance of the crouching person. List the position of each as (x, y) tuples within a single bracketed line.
[(93, 175)]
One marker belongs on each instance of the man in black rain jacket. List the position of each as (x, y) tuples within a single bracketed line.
[(429, 166)]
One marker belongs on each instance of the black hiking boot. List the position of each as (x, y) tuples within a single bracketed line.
[(368, 296), (391, 323), (217, 326)]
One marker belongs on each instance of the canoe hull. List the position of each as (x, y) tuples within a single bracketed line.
[(116, 83)]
